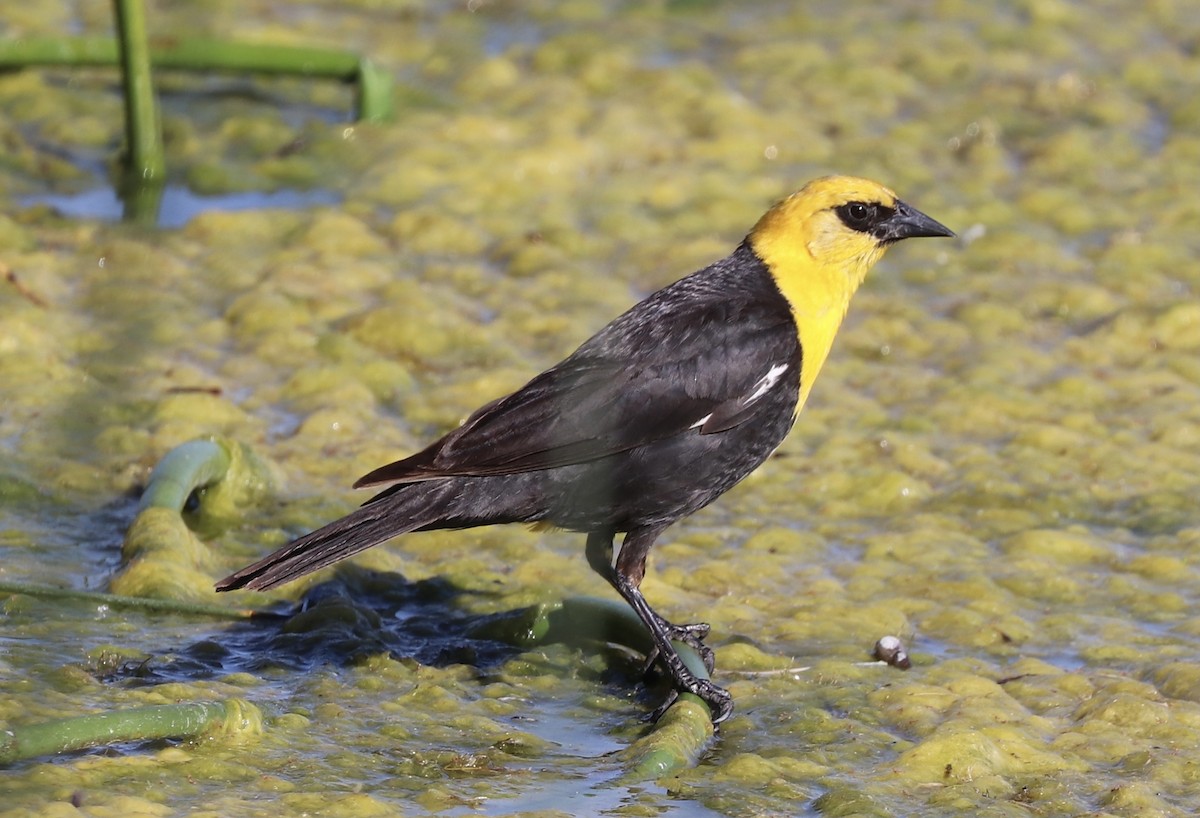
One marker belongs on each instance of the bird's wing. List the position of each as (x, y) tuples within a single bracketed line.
[(612, 397)]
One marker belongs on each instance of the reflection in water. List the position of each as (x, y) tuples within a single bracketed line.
[(179, 204)]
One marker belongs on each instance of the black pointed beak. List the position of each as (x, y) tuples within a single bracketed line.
[(909, 223)]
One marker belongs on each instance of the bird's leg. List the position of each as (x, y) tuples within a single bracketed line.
[(626, 576), (599, 557), (599, 553)]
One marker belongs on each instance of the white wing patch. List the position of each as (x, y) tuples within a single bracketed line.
[(761, 387), (766, 382)]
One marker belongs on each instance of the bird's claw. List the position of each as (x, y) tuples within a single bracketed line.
[(718, 699), (695, 640), (692, 635)]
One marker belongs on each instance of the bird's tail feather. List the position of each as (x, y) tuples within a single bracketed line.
[(380, 519)]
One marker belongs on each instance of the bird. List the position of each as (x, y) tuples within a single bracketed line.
[(651, 419)]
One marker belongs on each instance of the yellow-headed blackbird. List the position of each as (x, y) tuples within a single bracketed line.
[(651, 419)]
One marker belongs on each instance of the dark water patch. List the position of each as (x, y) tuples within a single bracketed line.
[(355, 616)]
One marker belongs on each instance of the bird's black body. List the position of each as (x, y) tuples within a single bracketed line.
[(608, 440), (651, 419)]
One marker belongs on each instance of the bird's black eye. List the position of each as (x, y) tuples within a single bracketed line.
[(857, 216)]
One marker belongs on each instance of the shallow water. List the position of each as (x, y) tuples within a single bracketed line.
[(179, 204), (1000, 461)]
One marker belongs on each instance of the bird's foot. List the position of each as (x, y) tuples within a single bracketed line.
[(692, 635), (720, 703)]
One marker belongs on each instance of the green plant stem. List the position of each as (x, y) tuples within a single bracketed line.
[(146, 166), (136, 724), (182, 470), (198, 54), (675, 743)]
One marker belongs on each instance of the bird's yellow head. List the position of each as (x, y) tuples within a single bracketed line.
[(836, 227), (819, 244)]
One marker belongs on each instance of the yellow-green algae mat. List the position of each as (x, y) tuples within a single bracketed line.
[(1000, 461)]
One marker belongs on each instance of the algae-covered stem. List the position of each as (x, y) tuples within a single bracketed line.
[(182, 470), (136, 724)]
